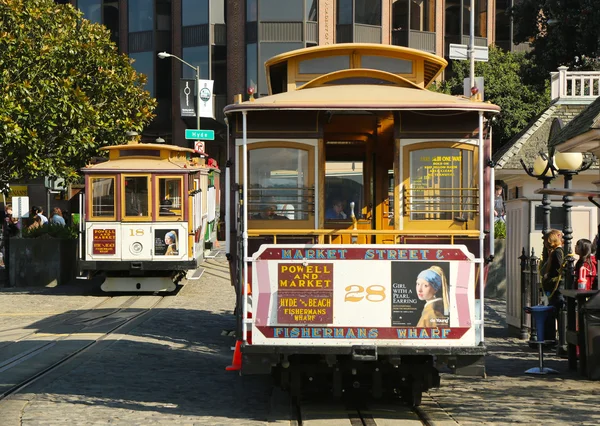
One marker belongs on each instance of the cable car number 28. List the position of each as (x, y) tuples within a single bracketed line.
[(373, 293)]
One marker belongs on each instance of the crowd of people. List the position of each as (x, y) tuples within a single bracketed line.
[(11, 226)]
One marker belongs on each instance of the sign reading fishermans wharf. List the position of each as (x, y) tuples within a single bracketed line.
[(305, 293)]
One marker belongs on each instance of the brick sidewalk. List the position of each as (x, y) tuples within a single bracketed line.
[(508, 395)]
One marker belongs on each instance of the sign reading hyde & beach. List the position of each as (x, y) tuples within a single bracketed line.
[(336, 293)]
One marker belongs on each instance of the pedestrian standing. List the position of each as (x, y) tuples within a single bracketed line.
[(57, 217), (499, 210), (552, 271), (585, 268), (39, 211)]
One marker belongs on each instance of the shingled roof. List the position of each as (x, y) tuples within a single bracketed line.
[(587, 120), (534, 138)]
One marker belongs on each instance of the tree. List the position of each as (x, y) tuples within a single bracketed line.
[(66, 91), (561, 32), (508, 84)]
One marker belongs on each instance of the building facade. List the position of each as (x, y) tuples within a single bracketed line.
[(231, 39)]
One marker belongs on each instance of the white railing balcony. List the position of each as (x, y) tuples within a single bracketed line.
[(578, 86)]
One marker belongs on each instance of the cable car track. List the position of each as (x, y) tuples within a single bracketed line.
[(68, 339), (380, 414)]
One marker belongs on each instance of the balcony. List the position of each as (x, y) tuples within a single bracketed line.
[(422, 40), (358, 33), (574, 86)]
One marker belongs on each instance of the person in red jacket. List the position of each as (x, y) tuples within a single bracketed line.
[(586, 267)]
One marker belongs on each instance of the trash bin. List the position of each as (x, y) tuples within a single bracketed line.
[(591, 312)]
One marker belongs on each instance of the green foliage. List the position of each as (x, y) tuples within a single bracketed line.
[(66, 91), (500, 230), (508, 84), (572, 35), (52, 231)]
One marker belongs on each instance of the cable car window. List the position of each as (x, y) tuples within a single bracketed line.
[(324, 65), (136, 196), (344, 184), (169, 196), (278, 184), (103, 197), (441, 185), (392, 65)]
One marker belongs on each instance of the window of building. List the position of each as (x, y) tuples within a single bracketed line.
[(280, 11), (441, 185), (453, 17), (251, 10), (344, 12), (104, 12), (163, 15), (422, 15), (312, 10), (557, 217), (170, 201), (400, 15), (279, 184), (503, 23), (197, 55), (144, 63), (344, 185), (91, 9), (252, 66), (194, 12), (103, 197), (367, 12), (458, 15), (136, 196), (141, 15)]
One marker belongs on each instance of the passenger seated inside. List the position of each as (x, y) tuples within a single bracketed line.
[(269, 213), (336, 211), (165, 208), (286, 210)]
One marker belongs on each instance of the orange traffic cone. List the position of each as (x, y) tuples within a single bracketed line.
[(236, 364)]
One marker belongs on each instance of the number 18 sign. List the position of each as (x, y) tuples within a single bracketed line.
[(199, 147)]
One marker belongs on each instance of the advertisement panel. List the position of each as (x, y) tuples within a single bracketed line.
[(336, 295)]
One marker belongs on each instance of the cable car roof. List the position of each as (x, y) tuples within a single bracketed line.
[(362, 97)]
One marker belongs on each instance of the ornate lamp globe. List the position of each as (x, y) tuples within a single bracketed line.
[(540, 164), (568, 160)]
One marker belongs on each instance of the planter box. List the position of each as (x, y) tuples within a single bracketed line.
[(495, 286), (42, 261)]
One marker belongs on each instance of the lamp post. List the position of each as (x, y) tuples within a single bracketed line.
[(164, 55), (568, 164), (543, 170)]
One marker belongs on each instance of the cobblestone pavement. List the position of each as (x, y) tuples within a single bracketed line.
[(508, 395), (170, 370)]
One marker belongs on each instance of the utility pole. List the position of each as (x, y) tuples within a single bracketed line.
[(472, 45)]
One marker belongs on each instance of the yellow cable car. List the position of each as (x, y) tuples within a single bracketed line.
[(149, 210), (361, 224)]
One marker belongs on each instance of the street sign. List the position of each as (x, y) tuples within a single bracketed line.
[(461, 52), (199, 147), (208, 135)]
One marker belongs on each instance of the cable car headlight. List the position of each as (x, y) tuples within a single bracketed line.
[(136, 248)]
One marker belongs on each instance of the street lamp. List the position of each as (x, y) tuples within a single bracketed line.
[(164, 55), (568, 164), (543, 170)]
